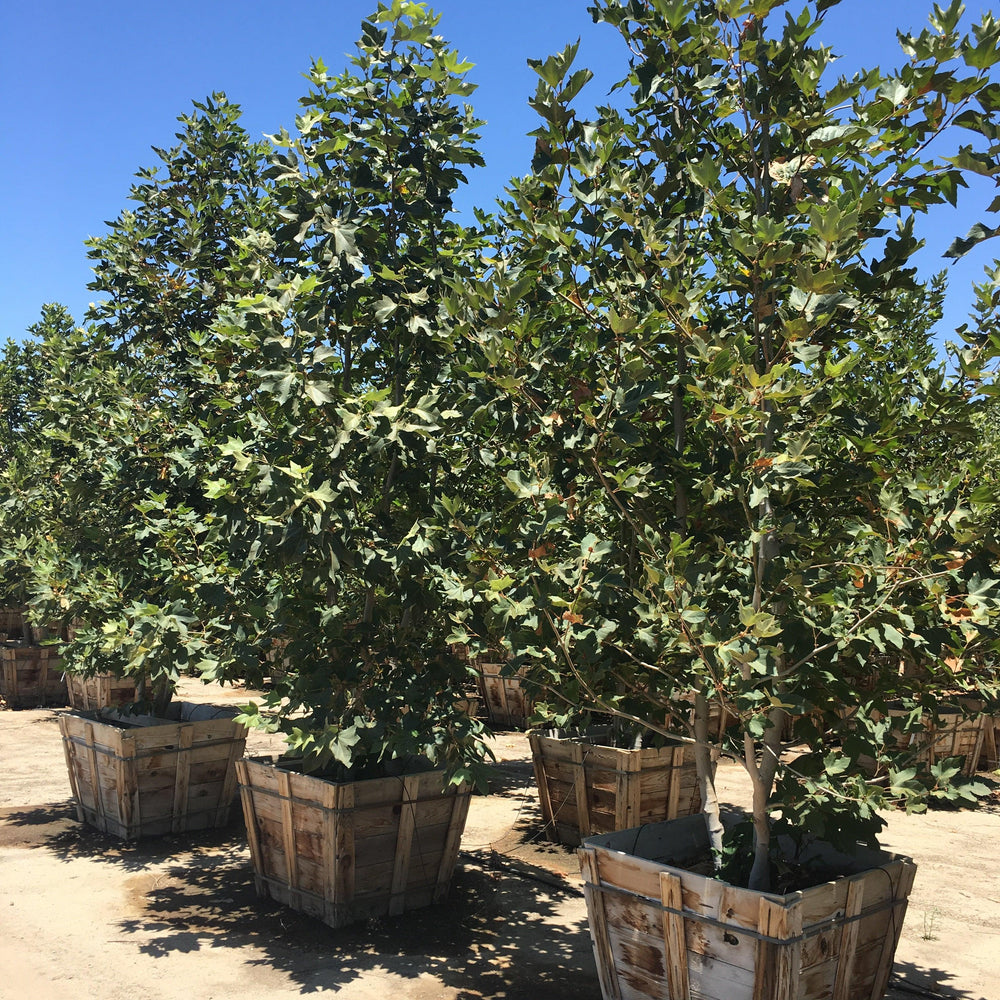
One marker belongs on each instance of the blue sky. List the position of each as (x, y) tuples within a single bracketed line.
[(87, 89)]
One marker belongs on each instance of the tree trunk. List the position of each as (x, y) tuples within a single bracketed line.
[(706, 777)]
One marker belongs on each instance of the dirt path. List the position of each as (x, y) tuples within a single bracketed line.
[(176, 918)]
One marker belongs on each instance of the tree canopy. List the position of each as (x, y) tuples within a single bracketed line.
[(668, 422)]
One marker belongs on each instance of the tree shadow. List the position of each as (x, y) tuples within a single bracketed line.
[(504, 931), (55, 828), (910, 980), (509, 778)]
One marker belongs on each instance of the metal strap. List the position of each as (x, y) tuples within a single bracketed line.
[(814, 929)]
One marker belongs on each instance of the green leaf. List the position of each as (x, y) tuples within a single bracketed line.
[(976, 235)]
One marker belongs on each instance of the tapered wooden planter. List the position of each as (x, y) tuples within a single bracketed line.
[(955, 735), (989, 755), (279, 663), (344, 852), (585, 788), (504, 695), (31, 676), (137, 776), (87, 694), (661, 931), (11, 623)]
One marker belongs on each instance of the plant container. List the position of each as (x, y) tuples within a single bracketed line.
[(87, 694), (138, 776), (662, 930), (348, 851), (587, 787), (955, 734), (11, 623), (31, 676), (507, 703)]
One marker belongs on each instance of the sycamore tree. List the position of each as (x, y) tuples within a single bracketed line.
[(120, 543), (352, 425), (265, 409), (730, 451), (24, 369)]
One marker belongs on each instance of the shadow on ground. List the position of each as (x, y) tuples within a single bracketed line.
[(55, 828), (513, 927), (501, 934), (911, 981)]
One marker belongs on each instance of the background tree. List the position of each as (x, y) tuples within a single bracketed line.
[(264, 412), (24, 368), (123, 552)]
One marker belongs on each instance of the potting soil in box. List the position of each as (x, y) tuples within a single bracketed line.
[(347, 851), (31, 676), (139, 776)]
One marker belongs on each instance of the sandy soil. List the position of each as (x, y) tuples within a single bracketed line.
[(176, 918)]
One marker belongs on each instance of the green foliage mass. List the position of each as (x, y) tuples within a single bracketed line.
[(739, 484), (669, 424)]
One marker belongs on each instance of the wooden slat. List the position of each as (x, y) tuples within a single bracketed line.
[(181, 780), (228, 792), (250, 818), (988, 750), (580, 787), (461, 799), (674, 938), (849, 941), (597, 919), (627, 790), (128, 791), (43, 678), (891, 939), (95, 775), (71, 769), (778, 965), (345, 849), (674, 793), (404, 843), (288, 833), (541, 779), (330, 871)]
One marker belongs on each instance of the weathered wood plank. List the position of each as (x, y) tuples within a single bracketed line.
[(396, 852), (674, 938)]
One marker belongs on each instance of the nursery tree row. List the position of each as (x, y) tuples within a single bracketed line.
[(666, 423)]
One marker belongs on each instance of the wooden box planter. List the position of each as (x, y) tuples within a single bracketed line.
[(41, 634), (137, 776), (585, 788), (279, 663), (348, 851), (31, 676), (957, 735), (660, 930), (11, 623), (504, 695), (470, 704), (87, 694), (989, 755)]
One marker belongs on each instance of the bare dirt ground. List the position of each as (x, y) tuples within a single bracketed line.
[(83, 915)]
